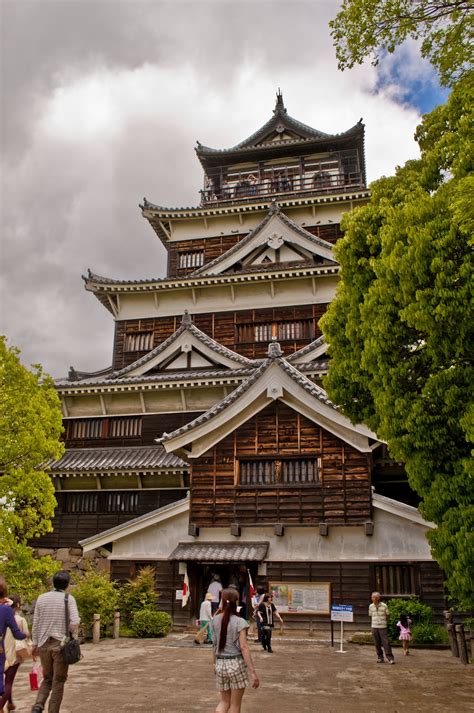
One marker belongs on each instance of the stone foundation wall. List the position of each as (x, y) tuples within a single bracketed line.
[(74, 559)]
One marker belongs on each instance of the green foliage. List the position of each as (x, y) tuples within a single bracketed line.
[(30, 428), (150, 623), (95, 593), (372, 27), (419, 614), (27, 575), (426, 633), (138, 593), (400, 330)]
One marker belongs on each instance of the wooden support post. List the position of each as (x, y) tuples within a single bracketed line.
[(461, 639), (117, 625), (452, 640), (96, 629)]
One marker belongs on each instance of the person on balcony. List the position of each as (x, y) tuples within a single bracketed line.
[(252, 185)]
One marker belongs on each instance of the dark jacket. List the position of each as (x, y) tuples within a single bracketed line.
[(7, 620)]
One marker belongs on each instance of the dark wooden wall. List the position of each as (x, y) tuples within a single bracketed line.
[(342, 494), (223, 327), (153, 426), (70, 527)]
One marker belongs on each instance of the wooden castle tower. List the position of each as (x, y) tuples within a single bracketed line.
[(209, 445)]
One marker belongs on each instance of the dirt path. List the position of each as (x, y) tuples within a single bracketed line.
[(165, 676)]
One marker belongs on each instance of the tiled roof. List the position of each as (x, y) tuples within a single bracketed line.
[(220, 551), (274, 210), (306, 349), (280, 118), (117, 459)]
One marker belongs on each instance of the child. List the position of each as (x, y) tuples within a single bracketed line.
[(266, 612), (405, 632)]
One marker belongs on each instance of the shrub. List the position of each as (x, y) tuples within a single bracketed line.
[(419, 613), (138, 594), (426, 633), (149, 622), (95, 594)]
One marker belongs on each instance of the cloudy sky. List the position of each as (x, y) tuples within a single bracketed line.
[(102, 103)]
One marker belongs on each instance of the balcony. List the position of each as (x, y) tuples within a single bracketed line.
[(247, 187)]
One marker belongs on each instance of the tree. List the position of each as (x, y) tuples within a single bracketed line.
[(400, 329), (371, 27), (30, 429)]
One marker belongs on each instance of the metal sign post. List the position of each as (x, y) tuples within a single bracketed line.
[(342, 613)]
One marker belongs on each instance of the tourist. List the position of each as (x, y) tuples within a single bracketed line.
[(232, 660), (267, 612), (49, 633), (253, 184), (15, 653), (215, 588), (205, 617), (256, 601), (7, 621), (405, 633), (378, 612)]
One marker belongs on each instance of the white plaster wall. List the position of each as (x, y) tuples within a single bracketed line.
[(394, 538)]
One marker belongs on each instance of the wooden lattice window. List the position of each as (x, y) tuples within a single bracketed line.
[(125, 427), (81, 502), (85, 429), (287, 330), (138, 341), (288, 471), (191, 258), (122, 502), (395, 579)]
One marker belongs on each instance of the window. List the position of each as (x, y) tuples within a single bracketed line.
[(138, 341), (125, 427), (290, 471), (122, 502), (301, 329), (194, 258), (82, 502), (394, 579), (85, 428)]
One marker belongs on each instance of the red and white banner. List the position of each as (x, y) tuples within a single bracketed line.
[(186, 592)]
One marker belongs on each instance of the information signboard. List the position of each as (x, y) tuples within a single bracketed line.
[(302, 597), (342, 612)]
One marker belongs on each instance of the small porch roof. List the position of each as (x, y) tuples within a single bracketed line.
[(220, 552)]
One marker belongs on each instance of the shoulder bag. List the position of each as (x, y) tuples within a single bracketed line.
[(70, 651)]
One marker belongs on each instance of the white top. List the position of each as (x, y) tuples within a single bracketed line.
[(49, 617), (205, 613), (215, 588), (10, 641)]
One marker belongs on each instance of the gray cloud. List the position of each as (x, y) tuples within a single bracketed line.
[(103, 102)]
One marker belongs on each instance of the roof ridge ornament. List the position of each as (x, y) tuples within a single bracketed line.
[(279, 106), (274, 207), (274, 350), (186, 318)]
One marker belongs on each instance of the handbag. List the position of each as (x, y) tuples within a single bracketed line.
[(24, 650), (70, 650)]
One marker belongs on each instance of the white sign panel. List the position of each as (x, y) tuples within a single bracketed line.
[(342, 612)]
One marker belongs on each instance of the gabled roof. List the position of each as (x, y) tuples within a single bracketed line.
[(116, 460), (274, 379), (309, 353), (274, 231), (281, 124), (186, 338)]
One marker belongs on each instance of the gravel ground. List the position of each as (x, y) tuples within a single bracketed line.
[(173, 675)]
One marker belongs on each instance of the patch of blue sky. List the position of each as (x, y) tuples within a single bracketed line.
[(410, 79)]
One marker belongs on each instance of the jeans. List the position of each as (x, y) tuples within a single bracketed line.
[(54, 673), (380, 637)]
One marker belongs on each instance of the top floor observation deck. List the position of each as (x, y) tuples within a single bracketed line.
[(283, 157)]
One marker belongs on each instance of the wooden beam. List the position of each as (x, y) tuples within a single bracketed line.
[(64, 407), (166, 232), (183, 400), (102, 405), (142, 402)]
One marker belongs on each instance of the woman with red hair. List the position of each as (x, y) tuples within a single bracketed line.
[(232, 660)]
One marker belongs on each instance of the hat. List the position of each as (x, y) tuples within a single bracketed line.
[(209, 596)]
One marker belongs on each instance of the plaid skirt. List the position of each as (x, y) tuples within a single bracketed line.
[(231, 673)]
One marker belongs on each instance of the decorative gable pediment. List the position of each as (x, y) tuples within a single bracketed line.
[(276, 240), (274, 379), (187, 349)]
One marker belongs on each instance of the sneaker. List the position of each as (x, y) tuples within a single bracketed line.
[(270, 650), (37, 708), (379, 660), (391, 661)]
